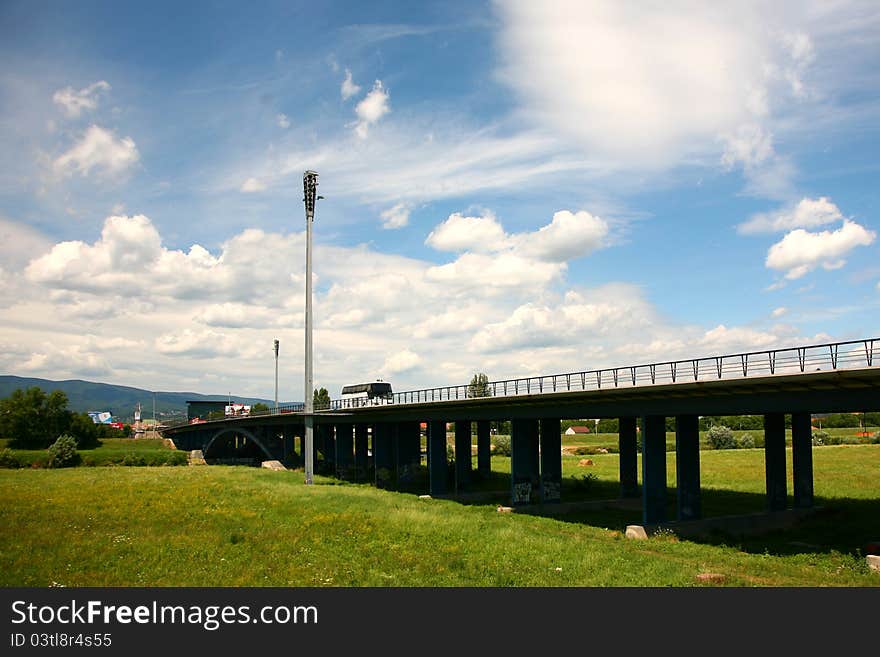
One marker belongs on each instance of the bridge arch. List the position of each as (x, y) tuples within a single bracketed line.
[(238, 430)]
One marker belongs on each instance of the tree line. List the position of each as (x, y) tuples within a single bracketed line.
[(33, 419)]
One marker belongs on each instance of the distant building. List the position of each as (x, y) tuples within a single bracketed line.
[(575, 431)]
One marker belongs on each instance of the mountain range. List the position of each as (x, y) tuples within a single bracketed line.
[(121, 401)]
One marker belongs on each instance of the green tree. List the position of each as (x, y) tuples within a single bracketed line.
[(32, 419), (321, 398), (83, 429), (479, 386), (259, 407)]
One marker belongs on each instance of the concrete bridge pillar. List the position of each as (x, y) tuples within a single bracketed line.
[(628, 443), (484, 448), (774, 461), (653, 469), (409, 450), (383, 454), (524, 468), (360, 451), (437, 463), (687, 466), (802, 459), (344, 450), (462, 454), (551, 460)]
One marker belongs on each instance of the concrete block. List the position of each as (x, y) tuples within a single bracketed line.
[(273, 465), (505, 509), (873, 562), (425, 497), (636, 531)]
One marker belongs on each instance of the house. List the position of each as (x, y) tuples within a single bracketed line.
[(574, 431)]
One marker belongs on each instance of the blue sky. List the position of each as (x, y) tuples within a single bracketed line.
[(511, 187)]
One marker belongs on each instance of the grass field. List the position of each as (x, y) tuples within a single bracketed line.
[(112, 451), (238, 526)]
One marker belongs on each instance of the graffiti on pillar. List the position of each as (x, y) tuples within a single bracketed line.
[(522, 492), (404, 473), (552, 491)]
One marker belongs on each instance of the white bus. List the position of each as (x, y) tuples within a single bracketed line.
[(366, 394)]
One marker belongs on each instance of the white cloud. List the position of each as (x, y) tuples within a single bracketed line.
[(252, 185), (644, 84), (211, 317), (196, 344), (568, 236), (750, 146), (396, 216), (282, 121), (402, 361), (801, 251), (19, 243), (779, 312), (808, 213), (372, 108), (348, 88), (460, 233), (74, 102), (98, 150)]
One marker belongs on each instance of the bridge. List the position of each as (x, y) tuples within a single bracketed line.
[(381, 441)]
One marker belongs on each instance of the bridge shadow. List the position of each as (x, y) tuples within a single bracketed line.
[(842, 525)]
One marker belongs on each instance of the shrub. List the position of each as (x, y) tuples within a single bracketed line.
[(502, 446), (721, 437), (62, 453), (8, 459), (820, 438), (746, 441)]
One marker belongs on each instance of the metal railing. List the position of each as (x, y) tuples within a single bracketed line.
[(833, 356), (794, 360)]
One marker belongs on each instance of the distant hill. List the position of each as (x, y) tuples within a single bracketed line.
[(121, 401)]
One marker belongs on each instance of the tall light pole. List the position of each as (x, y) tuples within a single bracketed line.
[(276, 376), (310, 187)]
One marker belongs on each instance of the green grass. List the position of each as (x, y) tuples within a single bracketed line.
[(238, 526), (112, 451)]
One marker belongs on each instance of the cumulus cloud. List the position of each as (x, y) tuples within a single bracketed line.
[(460, 233), (252, 185), (396, 216), (283, 121), (569, 235), (348, 88), (74, 102), (98, 150), (212, 316), (801, 251), (808, 213), (779, 312), (372, 108)]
